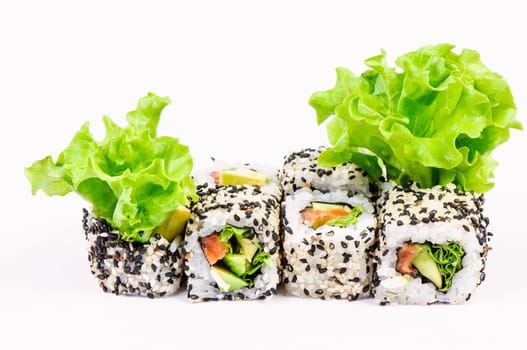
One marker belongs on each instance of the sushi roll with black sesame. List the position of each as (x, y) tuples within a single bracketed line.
[(139, 187), (432, 119), (232, 244), (222, 173), (433, 245), (154, 269), (328, 244), (301, 170)]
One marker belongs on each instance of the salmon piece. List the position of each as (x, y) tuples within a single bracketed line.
[(216, 176), (317, 218), (405, 255), (213, 248)]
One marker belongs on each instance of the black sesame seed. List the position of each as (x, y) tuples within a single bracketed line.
[(311, 250)]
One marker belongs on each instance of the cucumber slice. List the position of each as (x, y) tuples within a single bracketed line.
[(236, 263), (426, 266), (330, 206)]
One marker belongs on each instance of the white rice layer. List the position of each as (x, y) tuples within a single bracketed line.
[(404, 289)]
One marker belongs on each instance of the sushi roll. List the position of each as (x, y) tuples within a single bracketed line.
[(328, 244), (232, 244), (222, 173), (152, 269), (441, 135), (301, 170), (433, 245), (139, 187)]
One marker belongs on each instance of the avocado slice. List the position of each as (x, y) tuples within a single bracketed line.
[(248, 248), (174, 225), (330, 206), (242, 176), (426, 265), (236, 263), (226, 280)]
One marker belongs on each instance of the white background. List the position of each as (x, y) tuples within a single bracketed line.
[(239, 75)]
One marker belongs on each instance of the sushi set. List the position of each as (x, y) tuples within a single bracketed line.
[(392, 209)]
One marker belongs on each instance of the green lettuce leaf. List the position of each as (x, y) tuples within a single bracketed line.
[(345, 221), (259, 260), (448, 259), (132, 178), (229, 231), (434, 121), (231, 236)]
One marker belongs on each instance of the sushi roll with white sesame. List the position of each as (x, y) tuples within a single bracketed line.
[(232, 244), (139, 187), (433, 245), (301, 170), (328, 244), (223, 173)]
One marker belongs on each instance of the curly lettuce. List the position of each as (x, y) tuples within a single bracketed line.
[(132, 178), (433, 121), (448, 258)]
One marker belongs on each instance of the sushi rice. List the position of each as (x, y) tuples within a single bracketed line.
[(301, 170)]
